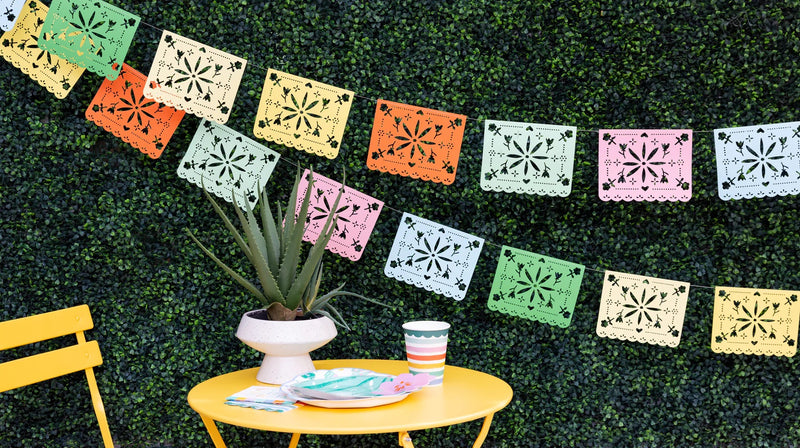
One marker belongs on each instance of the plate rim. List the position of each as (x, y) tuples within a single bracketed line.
[(368, 402), (360, 402)]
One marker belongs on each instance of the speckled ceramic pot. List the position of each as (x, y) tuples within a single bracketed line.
[(286, 344)]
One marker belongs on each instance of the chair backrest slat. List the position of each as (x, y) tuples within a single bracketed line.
[(41, 327), (52, 364)]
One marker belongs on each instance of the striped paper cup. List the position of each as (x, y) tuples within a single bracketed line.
[(426, 346)]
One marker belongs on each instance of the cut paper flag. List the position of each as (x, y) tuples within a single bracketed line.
[(755, 321), (19, 47), (302, 114), (90, 33), (357, 214), (415, 142), (528, 158), (642, 309), (11, 10), (535, 287), (434, 257), (645, 165), (120, 108), (227, 164), (194, 77), (758, 161)]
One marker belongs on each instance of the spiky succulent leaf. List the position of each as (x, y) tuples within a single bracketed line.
[(310, 294), (239, 279), (335, 316), (324, 300), (314, 257), (259, 260), (293, 229), (229, 225), (252, 229), (271, 236)]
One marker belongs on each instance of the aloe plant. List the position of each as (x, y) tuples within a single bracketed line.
[(273, 245)]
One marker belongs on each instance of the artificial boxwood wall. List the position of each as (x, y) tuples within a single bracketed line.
[(88, 219)]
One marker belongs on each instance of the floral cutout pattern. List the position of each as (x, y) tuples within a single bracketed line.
[(10, 14), (433, 256), (302, 114), (643, 309), (755, 321), (645, 165), (227, 164), (90, 33), (535, 287), (356, 214), (19, 47), (194, 77), (120, 108), (758, 161), (416, 142), (528, 158)]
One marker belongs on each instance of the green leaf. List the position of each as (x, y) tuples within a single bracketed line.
[(270, 232), (239, 279), (229, 225), (317, 251), (292, 240), (258, 249)]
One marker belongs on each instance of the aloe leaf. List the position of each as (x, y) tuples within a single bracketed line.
[(324, 299), (317, 250), (291, 243), (259, 250), (239, 279), (258, 245), (229, 225), (302, 214), (271, 236), (338, 316), (282, 242), (310, 294), (338, 320), (289, 220), (314, 257)]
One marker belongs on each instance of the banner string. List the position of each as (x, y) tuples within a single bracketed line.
[(400, 212), (488, 242), (375, 100)]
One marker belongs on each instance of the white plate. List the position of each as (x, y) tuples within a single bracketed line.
[(346, 398), (370, 402)]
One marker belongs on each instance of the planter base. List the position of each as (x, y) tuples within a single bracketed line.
[(280, 369)]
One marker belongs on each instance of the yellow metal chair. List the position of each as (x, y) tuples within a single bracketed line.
[(44, 366)]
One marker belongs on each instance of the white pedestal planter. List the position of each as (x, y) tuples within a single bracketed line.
[(285, 344)]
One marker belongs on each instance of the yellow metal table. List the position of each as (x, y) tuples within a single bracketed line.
[(466, 395)]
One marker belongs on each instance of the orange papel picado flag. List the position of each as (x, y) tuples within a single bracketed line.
[(416, 142)]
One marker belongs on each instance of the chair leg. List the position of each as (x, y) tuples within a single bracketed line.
[(99, 409)]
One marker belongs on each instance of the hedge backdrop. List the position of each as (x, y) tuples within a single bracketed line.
[(88, 219)]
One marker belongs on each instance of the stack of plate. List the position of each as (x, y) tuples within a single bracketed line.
[(342, 388)]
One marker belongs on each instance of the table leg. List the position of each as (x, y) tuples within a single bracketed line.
[(405, 440), (487, 422), (295, 440), (211, 427)]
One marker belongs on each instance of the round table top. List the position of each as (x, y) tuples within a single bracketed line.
[(465, 395)]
